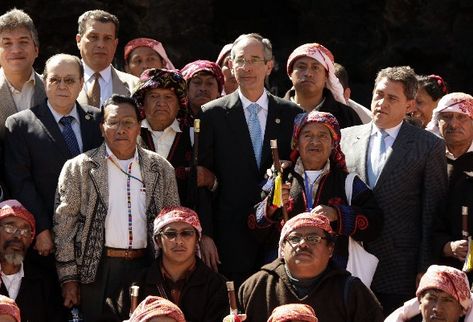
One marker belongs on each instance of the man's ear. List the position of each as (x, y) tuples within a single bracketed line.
[(411, 106)]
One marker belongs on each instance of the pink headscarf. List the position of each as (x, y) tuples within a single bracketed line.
[(150, 43), (454, 102), (449, 280), (324, 57), (176, 214), (288, 312), (305, 219), (223, 53), (154, 306), (14, 208), (9, 307), (197, 66)]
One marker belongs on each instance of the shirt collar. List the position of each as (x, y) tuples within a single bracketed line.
[(109, 153), (452, 157), (31, 79), (21, 272), (393, 131), (106, 73), (174, 126), (261, 101), (58, 116)]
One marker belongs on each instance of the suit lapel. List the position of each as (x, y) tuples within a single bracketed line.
[(51, 128), (272, 127), (118, 87), (149, 174), (400, 147), (87, 128), (39, 93), (99, 174), (361, 143), (8, 106)]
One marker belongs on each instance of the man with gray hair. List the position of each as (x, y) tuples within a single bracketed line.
[(234, 145), (20, 86), (405, 167), (97, 40)]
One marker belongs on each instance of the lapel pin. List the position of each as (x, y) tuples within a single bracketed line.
[(87, 117), (277, 121)]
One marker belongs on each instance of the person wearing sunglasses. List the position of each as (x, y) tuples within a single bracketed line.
[(178, 274), (305, 273)]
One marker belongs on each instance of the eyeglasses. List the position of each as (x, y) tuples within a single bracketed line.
[(12, 230), (172, 234), (310, 239), (251, 61), (127, 123), (68, 81)]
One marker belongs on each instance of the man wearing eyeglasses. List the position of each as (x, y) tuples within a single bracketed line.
[(304, 273), (21, 280), (234, 145), (108, 199), (39, 140), (178, 273)]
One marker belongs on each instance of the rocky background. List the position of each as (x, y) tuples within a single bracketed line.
[(432, 36)]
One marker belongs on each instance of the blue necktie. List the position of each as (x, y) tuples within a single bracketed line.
[(377, 164), (255, 131), (69, 136)]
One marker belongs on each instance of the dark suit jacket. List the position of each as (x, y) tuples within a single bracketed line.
[(410, 190), (37, 298), (226, 149), (35, 152)]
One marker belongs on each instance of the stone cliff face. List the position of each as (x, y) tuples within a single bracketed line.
[(432, 36)]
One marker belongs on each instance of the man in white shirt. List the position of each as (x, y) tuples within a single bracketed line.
[(97, 40), (405, 167), (103, 224), (20, 280), (20, 86)]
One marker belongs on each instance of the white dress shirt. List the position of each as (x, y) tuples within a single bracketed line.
[(23, 98), (373, 150), (452, 157), (75, 124), (13, 282), (117, 219), (163, 140), (262, 114), (105, 81)]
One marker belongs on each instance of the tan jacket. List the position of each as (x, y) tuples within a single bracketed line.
[(82, 205)]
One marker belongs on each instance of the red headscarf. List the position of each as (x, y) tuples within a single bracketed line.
[(197, 66), (150, 43), (9, 307), (14, 208), (290, 312), (154, 306)]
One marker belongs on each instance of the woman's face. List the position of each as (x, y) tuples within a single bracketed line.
[(424, 106)]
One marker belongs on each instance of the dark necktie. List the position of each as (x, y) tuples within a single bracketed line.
[(69, 136), (93, 94)]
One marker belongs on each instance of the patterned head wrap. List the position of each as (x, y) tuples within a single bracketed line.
[(177, 214), (150, 43), (454, 102), (324, 57), (154, 306), (289, 312), (224, 53), (197, 66), (14, 208), (449, 280), (9, 307), (161, 78), (331, 123), (305, 219)]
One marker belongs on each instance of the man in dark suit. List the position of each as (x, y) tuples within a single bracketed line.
[(234, 145), (406, 168), (36, 148)]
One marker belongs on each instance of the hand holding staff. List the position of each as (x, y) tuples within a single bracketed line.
[(279, 170)]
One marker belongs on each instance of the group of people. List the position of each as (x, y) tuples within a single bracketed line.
[(175, 181)]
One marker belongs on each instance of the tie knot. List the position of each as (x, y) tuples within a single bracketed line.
[(66, 120), (254, 108), (96, 76), (384, 134)]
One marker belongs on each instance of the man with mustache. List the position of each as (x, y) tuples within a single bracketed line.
[(406, 169), (453, 120), (315, 85), (178, 273), (97, 40), (21, 281), (205, 82), (305, 273)]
